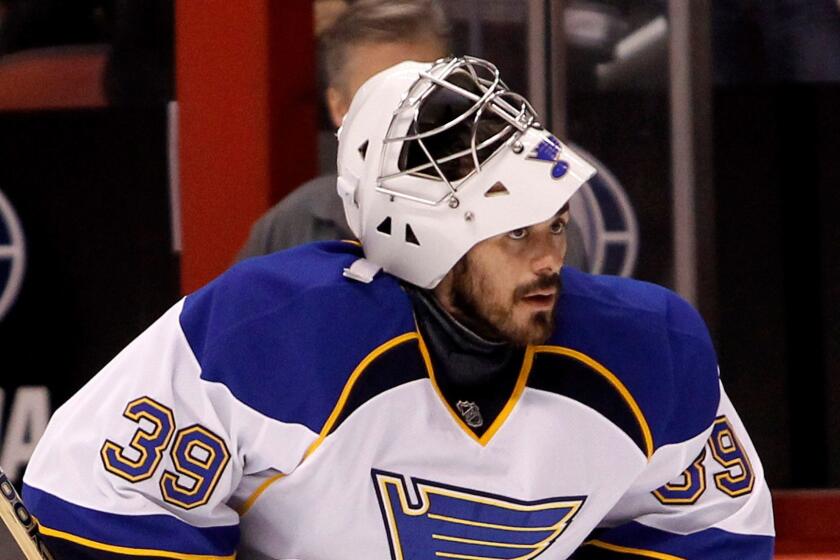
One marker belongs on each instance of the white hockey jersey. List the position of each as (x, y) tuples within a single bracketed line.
[(285, 412)]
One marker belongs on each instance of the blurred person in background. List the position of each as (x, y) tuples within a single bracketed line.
[(364, 38)]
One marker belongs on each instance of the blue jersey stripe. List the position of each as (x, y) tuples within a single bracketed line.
[(708, 543), (143, 532)]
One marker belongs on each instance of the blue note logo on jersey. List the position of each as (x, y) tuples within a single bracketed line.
[(441, 521), (12, 256), (549, 150)]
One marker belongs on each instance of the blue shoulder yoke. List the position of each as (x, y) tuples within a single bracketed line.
[(652, 340), (285, 331)]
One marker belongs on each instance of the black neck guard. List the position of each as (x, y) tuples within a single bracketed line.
[(467, 367)]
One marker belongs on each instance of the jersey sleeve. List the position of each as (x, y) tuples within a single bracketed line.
[(703, 493), (151, 460), (719, 507)]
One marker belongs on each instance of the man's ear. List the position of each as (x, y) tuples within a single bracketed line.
[(338, 105)]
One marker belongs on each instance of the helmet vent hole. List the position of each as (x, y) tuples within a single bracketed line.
[(410, 237), (497, 190), (385, 226), (363, 149)]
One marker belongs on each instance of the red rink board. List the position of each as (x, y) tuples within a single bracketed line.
[(807, 524)]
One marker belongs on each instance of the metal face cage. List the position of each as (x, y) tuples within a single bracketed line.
[(455, 117)]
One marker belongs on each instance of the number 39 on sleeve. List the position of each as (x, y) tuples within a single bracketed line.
[(198, 455), (735, 479)]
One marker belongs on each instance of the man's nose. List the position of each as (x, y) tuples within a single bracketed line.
[(548, 257)]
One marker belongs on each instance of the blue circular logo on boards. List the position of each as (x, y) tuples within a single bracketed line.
[(607, 221), (12, 256)]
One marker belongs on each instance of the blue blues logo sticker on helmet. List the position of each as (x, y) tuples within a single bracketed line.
[(12, 256), (549, 151)]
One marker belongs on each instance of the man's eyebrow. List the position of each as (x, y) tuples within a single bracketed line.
[(563, 210)]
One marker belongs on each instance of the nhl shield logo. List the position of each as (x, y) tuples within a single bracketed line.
[(12, 256), (442, 521), (471, 413)]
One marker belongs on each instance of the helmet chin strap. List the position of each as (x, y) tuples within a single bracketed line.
[(347, 189)]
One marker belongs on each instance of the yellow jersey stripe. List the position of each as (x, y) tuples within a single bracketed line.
[(488, 525), (243, 509), (128, 551), (615, 382), (636, 551), (518, 389), (431, 371), (484, 543), (336, 412), (348, 387), (468, 557)]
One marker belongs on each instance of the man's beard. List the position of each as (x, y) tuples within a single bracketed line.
[(482, 311)]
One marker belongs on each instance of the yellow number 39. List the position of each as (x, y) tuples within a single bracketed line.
[(736, 478), (198, 455)]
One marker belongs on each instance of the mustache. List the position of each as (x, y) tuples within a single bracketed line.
[(541, 283)]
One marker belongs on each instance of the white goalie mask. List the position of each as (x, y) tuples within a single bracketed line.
[(434, 158)]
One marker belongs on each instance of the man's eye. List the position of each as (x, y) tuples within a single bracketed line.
[(518, 233), (558, 228)]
